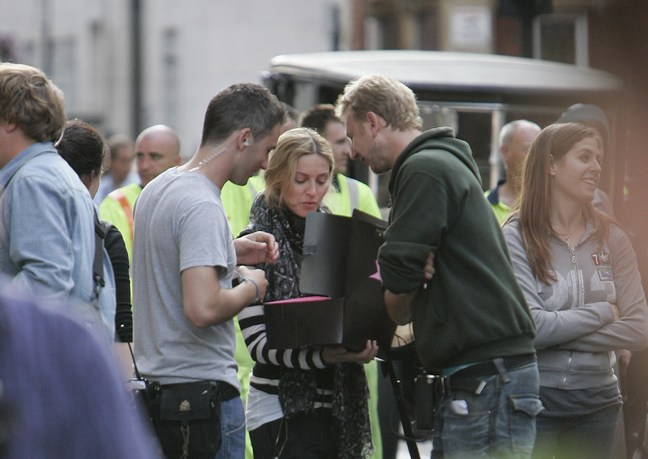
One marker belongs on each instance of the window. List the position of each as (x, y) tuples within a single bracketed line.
[(561, 38)]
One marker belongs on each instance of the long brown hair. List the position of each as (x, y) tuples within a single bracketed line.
[(534, 202)]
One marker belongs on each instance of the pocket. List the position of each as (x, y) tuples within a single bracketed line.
[(467, 423), (524, 409), (526, 404)]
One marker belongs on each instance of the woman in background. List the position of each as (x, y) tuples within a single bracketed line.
[(580, 279), (303, 403), (84, 149)]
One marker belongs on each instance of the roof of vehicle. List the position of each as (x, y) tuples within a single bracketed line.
[(448, 71)]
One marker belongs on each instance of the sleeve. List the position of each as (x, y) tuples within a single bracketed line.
[(631, 330), (414, 230), (114, 243), (552, 327), (252, 322), (42, 252), (204, 237)]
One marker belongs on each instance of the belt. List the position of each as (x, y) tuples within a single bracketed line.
[(226, 391), (489, 368)]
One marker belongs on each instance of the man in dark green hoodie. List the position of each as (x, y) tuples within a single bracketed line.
[(445, 268)]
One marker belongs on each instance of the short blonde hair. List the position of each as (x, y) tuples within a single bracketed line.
[(282, 165), (383, 95), (31, 101)]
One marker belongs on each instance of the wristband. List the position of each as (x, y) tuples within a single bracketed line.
[(256, 288)]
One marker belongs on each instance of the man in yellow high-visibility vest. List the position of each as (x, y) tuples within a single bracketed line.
[(157, 149)]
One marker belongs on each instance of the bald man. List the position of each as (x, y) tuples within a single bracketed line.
[(515, 139), (157, 148)]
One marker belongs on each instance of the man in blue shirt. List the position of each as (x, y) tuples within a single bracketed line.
[(47, 238)]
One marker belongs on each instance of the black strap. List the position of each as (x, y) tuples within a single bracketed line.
[(138, 376), (97, 263), (402, 411)]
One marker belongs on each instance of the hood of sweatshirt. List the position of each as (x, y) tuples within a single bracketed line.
[(443, 141)]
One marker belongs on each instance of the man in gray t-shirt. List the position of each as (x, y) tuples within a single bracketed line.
[(184, 259)]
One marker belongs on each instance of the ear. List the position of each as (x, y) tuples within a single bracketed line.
[(244, 138), (552, 165), (376, 122), (8, 127)]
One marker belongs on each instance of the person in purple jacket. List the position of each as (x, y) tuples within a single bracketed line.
[(61, 396)]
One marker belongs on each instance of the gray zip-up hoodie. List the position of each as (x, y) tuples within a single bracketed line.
[(576, 330)]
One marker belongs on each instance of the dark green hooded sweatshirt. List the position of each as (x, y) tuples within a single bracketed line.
[(473, 309)]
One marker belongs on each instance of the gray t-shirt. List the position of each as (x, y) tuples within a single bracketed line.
[(180, 223)]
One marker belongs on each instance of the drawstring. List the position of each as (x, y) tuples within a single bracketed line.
[(279, 445), (185, 442)]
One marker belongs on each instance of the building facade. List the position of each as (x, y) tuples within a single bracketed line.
[(128, 64)]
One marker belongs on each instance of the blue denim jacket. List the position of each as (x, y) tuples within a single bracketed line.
[(47, 238)]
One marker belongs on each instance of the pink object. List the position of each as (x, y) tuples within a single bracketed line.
[(304, 299)]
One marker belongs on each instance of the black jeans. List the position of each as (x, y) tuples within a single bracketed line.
[(305, 436)]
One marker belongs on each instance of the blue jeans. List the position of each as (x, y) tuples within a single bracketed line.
[(585, 436), (491, 416), (232, 430)]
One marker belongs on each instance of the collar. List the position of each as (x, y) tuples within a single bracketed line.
[(335, 182), (22, 158)]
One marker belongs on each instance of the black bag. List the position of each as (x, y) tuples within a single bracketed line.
[(186, 418)]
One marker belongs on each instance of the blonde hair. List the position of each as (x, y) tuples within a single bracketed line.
[(384, 96), (31, 101), (282, 165)]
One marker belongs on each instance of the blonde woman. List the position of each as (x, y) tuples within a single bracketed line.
[(303, 403)]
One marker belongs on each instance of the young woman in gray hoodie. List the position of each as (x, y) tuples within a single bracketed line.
[(579, 275)]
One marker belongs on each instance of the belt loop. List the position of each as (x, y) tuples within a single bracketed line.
[(501, 369), (444, 383)]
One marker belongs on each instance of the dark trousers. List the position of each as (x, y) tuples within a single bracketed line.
[(586, 437), (305, 436)]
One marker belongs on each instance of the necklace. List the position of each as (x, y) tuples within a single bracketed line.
[(204, 161), (567, 236)]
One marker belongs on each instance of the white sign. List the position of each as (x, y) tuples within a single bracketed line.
[(471, 27)]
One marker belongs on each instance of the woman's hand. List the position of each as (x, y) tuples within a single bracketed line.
[(333, 355), (255, 248)]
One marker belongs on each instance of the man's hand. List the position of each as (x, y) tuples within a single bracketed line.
[(255, 248), (333, 355)]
